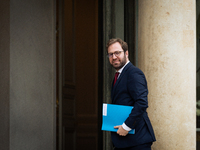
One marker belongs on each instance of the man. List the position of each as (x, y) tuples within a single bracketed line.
[(130, 89)]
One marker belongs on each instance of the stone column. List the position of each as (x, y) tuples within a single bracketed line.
[(27, 78), (167, 55), (32, 75), (4, 75)]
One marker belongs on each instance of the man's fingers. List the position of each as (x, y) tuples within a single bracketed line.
[(116, 127)]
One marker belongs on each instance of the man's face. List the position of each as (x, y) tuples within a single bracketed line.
[(117, 61)]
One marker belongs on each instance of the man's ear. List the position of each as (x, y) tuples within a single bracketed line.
[(126, 53)]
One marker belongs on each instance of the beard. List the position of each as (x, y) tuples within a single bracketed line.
[(121, 63)]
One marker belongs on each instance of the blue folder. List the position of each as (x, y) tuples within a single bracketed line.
[(114, 115)]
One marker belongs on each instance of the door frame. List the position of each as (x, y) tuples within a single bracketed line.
[(106, 30)]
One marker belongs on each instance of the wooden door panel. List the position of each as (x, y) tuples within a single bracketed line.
[(86, 23), (80, 75), (87, 143), (68, 85), (69, 139)]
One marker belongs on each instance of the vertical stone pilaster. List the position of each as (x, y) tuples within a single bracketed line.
[(27, 78), (167, 55), (4, 75), (32, 75)]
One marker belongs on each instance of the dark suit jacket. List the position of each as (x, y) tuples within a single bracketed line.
[(131, 89)]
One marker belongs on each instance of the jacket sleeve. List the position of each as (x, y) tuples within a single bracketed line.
[(137, 88)]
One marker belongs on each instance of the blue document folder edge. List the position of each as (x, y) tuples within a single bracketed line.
[(114, 115)]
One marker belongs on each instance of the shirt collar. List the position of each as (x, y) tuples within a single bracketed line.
[(120, 70)]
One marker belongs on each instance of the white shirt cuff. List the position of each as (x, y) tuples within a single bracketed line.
[(125, 127)]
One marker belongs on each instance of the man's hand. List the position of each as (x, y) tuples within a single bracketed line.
[(121, 130)]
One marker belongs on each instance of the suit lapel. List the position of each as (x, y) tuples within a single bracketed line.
[(118, 81)]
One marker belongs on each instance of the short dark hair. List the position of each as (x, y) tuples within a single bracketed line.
[(123, 44)]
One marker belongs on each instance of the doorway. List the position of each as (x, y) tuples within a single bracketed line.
[(78, 62), (84, 74)]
